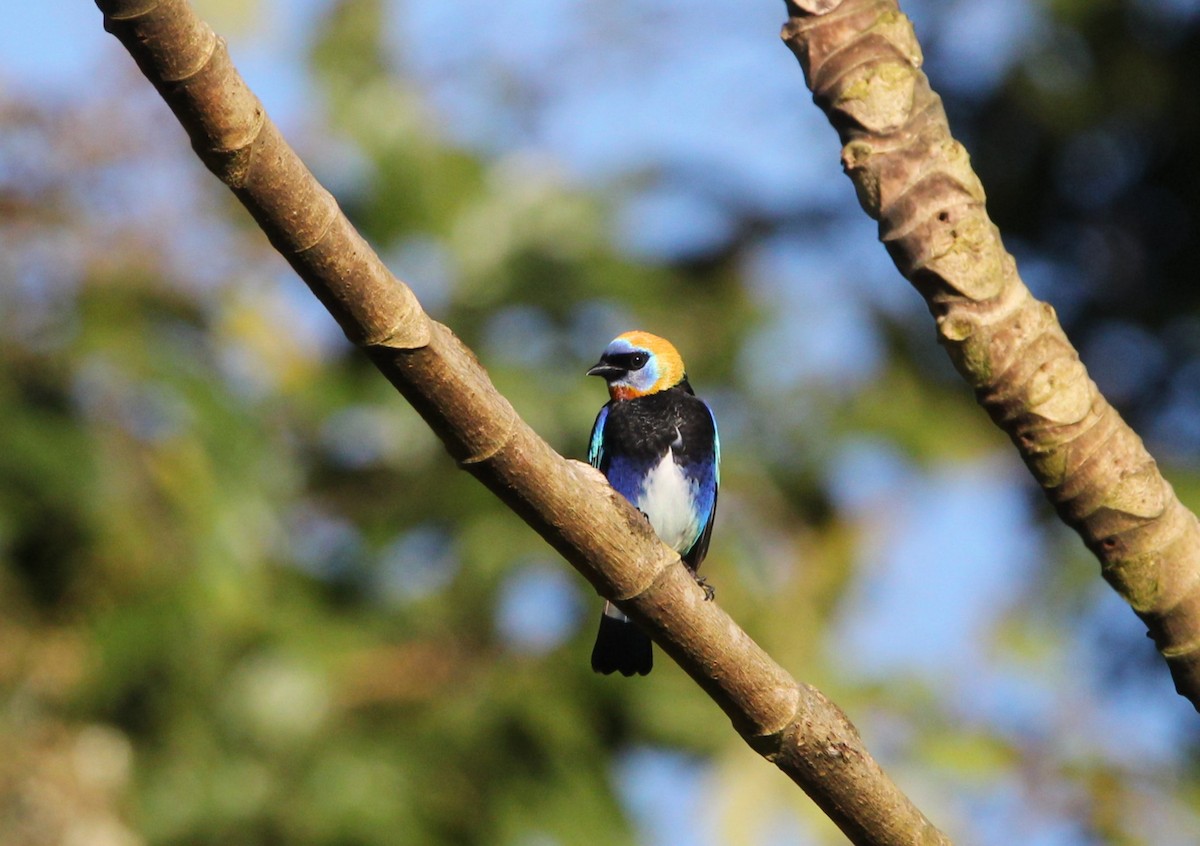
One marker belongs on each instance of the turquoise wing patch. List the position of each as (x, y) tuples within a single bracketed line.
[(596, 446)]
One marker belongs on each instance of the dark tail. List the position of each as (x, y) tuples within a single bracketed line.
[(621, 647)]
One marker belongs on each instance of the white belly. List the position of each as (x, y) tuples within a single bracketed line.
[(666, 500)]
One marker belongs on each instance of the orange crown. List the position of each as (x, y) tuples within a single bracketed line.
[(668, 363)]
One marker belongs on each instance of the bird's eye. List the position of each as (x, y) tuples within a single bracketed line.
[(638, 360)]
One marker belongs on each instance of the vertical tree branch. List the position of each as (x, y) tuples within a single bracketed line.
[(567, 502), (862, 61)]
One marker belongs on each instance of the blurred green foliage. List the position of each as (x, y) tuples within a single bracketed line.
[(245, 598)]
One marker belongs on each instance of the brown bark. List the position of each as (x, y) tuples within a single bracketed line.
[(862, 61), (568, 503)]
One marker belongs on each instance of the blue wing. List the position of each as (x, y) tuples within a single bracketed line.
[(716, 457), (626, 476), (596, 446), (699, 549)]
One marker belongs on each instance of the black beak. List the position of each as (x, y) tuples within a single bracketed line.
[(608, 371)]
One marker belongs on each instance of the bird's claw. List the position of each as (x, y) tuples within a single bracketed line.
[(709, 590)]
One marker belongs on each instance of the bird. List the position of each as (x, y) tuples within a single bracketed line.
[(656, 442)]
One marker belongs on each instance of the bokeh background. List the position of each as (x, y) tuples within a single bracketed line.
[(245, 598)]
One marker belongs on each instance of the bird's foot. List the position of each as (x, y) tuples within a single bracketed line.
[(709, 590)]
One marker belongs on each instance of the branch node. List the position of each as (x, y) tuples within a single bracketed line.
[(410, 332), (212, 43), (333, 213), (791, 722), (658, 570), (134, 11), (505, 434)]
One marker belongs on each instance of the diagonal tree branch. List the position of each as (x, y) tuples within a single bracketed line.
[(862, 61), (792, 725)]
